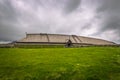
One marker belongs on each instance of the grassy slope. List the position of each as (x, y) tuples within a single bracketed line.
[(60, 64)]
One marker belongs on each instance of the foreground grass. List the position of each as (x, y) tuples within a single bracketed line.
[(92, 63)]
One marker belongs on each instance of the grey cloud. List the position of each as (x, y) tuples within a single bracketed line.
[(109, 5), (7, 12), (8, 21), (59, 16), (110, 17), (72, 5), (109, 11), (112, 23)]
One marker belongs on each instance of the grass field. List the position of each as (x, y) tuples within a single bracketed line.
[(88, 63)]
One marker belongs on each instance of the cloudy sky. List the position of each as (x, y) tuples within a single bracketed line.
[(93, 18)]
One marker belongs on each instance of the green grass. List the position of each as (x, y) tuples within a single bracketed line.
[(40, 46), (88, 63)]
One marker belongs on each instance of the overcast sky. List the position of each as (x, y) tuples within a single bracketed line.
[(93, 18)]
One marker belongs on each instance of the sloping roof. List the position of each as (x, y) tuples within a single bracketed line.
[(61, 38)]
